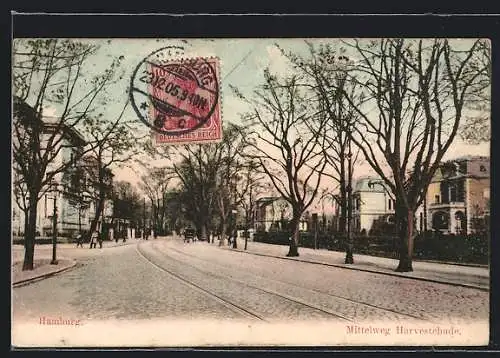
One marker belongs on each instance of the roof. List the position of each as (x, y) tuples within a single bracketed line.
[(70, 132), (268, 200), (370, 184), (469, 158)]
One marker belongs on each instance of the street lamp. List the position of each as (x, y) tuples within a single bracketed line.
[(349, 247), (54, 191)]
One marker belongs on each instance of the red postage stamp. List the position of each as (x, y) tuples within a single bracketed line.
[(178, 99)]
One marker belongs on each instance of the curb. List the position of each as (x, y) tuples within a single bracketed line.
[(30, 280), (395, 274)]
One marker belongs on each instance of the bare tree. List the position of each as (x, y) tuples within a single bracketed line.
[(288, 150), (230, 189), (112, 145), (50, 72), (327, 69), (155, 184), (197, 171), (476, 127), (208, 174), (127, 203), (410, 104), (250, 185)]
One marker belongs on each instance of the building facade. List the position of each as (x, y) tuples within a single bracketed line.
[(458, 198), (69, 194), (371, 201), (274, 214)]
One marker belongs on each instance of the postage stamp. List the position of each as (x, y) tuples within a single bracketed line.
[(178, 99)]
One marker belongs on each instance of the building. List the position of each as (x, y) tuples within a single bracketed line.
[(371, 201), (69, 191), (458, 197), (457, 200), (273, 214)]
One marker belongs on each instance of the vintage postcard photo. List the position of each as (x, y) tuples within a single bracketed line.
[(212, 192)]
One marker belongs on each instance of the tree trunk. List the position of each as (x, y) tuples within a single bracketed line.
[(203, 233), (95, 219), (30, 234), (294, 242), (406, 235), (343, 210), (223, 226)]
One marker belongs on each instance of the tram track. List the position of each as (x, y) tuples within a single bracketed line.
[(232, 306), (312, 290), (190, 283)]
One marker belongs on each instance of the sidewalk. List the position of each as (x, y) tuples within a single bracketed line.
[(42, 269), (67, 256), (458, 275)]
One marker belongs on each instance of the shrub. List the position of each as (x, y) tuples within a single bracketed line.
[(427, 246)]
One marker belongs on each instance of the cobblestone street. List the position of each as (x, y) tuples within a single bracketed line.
[(172, 280)]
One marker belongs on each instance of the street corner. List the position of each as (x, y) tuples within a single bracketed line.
[(42, 268)]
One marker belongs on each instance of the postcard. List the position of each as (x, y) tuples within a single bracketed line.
[(257, 192)]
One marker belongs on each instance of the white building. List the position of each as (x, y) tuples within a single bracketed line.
[(274, 213), (371, 201), (69, 191)]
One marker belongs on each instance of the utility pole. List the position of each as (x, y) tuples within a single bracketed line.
[(349, 248), (54, 232), (144, 219)]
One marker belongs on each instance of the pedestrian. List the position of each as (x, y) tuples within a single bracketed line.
[(79, 239), (100, 239), (93, 240)]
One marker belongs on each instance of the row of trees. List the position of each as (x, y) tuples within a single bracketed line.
[(211, 180), (396, 104), (401, 103)]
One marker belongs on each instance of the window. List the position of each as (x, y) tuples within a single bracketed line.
[(463, 167), (460, 190), (390, 204), (436, 199), (45, 205), (453, 193)]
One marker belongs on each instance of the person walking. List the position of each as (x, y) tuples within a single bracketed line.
[(93, 239), (100, 238), (79, 239)]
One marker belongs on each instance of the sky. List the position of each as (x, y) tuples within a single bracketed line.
[(242, 64)]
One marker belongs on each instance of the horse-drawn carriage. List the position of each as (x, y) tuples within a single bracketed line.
[(189, 235)]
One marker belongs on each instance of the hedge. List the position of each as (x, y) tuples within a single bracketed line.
[(428, 246), (43, 240)]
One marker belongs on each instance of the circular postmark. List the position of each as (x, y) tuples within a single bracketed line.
[(174, 96)]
